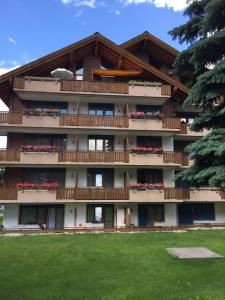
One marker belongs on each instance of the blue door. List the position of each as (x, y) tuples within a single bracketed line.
[(185, 214), (143, 215)]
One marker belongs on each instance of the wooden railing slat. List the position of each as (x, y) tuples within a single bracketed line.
[(93, 194)]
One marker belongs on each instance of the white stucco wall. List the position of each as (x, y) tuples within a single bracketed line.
[(11, 218), (75, 215), (168, 178)]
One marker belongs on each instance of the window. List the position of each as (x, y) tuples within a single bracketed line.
[(203, 212), (149, 176), (149, 141), (100, 178), (98, 109), (33, 214), (58, 140), (159, 213), (95, 214), (100, 143), (40, 175), (148, 109), (62, 106)]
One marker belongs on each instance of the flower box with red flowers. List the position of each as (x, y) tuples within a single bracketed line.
[(51, 186), (42, 112), (146, 186), (42, 148), (147, 115), (143, 150), (137, 115)]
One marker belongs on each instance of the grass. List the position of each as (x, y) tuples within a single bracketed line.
[(110, 266)]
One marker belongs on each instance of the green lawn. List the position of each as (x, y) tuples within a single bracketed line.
[(110, 266)]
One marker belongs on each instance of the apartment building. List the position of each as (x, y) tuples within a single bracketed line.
[(100, 149)]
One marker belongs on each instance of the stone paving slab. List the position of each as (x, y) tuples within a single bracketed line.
[(193, 253)]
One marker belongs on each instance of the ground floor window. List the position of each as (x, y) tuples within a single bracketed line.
[(203, 211), (50, 215), (98, 213), (148, 214), (190, 212), (33, 214)]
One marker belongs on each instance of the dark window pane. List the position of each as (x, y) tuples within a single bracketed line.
[(28, 215), (203, 212), (90, 214), (41, 216), (159, 213)]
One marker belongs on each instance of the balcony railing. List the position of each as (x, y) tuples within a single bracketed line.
[(86, 156), (176, 193), (94, 121), (110, 194), (9, 155), (94, 87), (93, 194), (176, 158), (8, 193), (165, 123), (44, 84), (94, 156)]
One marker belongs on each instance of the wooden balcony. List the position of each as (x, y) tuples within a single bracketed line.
[(185, 130), (90, 194), (11, 156), (165, 124), (165, 159), (159, 195), (94, 121), (94, 156), (155, 124), (93, 194), (54, 85)]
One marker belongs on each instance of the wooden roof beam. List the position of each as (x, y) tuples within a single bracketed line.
[(96, 48), (120, 62)]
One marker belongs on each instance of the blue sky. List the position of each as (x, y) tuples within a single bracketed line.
[(33, 28)]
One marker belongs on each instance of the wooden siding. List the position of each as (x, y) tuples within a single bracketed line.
[(94, 121), (171, 123), (94, 156), (9, 155), (19, 82), (176, 193), (11, 117), (175, 157), (93, 194), (166, 90), (94, 87)]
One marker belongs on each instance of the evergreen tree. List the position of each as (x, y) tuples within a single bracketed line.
[(202, 67)]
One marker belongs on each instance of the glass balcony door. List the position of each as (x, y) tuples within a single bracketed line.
[(100, 178), (100, 143), (100, 109)]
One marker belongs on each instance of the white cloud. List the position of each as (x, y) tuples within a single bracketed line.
[(78, 14), (5, 70), (11, 40), (176, 5), (117, 12), (88, 3)]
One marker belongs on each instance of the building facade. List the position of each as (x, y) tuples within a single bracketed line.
[(100, 150)]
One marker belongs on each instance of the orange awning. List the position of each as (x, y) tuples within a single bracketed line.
[(117, 73)]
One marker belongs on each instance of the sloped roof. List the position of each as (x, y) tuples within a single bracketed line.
[(150, 37), (83, 47)]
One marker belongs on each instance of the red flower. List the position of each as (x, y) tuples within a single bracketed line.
[(146, 185), (45, 185)]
